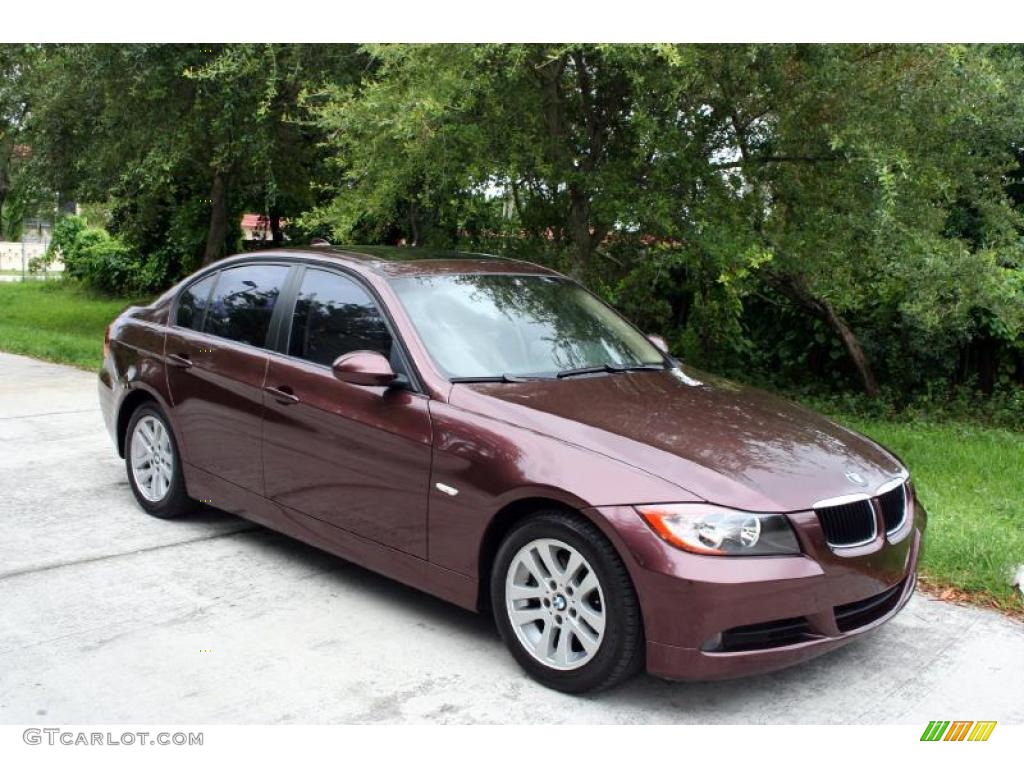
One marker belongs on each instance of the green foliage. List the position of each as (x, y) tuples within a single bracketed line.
[(934, 403), (41, 264), (827, 217), (176, 141), (765, 207), (100, 260), (65, 231)]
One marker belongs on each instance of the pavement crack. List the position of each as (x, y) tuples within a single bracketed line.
[(5, 575), (51, 413)]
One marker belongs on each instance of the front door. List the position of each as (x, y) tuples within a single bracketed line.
[(355, 457), (216, 366)]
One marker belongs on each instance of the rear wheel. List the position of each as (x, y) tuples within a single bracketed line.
[(153, 464), (565, 605)]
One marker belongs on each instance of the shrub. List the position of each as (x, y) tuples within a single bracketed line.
[(41, 264), (65, 231), (98, 259)]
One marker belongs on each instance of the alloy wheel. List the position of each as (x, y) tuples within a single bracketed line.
[(152, 458), (555, 604)]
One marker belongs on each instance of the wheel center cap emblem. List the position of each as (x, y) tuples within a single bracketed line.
[(559, 602)]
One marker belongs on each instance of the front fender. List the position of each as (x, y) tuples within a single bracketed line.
[(485, 465)]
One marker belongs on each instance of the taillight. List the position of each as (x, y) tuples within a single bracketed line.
[(106, 343)]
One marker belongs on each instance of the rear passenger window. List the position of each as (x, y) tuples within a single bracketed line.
[(243, 301), (192, 303), (333, 316)]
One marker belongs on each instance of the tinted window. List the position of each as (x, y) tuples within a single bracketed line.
[(243, 301), (192, 303), (335, 315)]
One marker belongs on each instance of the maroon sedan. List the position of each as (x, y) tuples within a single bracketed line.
[(488, 431)]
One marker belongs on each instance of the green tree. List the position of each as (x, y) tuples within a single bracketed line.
[(18, 195), (182, 138), (829, 212), (826, 176), (852, 159)]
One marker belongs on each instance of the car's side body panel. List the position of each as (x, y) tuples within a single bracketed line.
[(218, 403), (401, 566), (355, 457)]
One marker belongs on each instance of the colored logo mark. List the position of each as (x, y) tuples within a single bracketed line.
[(958, 730)]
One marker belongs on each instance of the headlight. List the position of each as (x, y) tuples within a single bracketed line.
[(710, 530)]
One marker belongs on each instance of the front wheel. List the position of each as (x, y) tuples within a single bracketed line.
[(565, 605), (153, 464)]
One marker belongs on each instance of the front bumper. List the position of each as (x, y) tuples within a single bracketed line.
[(719, 617)]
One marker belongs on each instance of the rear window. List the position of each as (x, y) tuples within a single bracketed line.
[(192, 303), (243, 301)]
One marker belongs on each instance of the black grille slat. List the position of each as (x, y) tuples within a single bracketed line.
[(847, 524), (783, 632), (770, 634), (893, 504), (854, 615)]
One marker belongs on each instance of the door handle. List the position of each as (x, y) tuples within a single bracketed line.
[(282, 394), (179, 360)]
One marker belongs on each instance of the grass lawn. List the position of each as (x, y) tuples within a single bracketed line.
[(970, 478), (56, 320), (971, 482)]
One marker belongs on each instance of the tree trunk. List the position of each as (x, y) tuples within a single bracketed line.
[(853, 349), (276, 235), (791, 287), (4, 187), (216, 236), (579, 230), (414, 223)]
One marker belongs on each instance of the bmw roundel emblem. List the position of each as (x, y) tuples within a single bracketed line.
[(855, 478)]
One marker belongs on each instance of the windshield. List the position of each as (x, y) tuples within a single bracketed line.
[(493, 326)]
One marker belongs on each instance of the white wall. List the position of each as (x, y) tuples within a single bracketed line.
[(11, 255)]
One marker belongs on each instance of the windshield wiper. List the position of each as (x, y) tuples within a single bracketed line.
[(609, 368), (505, 378), (509, 378), (642, 367), (584, 371)]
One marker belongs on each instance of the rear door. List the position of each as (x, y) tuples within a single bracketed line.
[(216, 365), (356, 457)]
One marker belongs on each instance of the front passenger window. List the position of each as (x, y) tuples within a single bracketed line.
[(334, 315)]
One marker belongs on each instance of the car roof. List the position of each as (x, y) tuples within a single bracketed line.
[(402, 261)]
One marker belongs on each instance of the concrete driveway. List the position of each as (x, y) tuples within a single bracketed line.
[(108, 615)]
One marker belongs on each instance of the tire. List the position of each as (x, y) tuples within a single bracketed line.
[(165, 496), (567, 647)]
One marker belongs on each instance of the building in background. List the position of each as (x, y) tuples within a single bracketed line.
[(256, 228)]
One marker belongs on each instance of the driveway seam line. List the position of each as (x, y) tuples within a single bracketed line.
[(53, 566), (52, 413)]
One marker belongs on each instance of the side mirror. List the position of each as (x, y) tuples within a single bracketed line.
[(365, 368), (658, 341)]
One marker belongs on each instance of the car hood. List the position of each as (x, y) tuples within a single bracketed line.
[(723, 442)]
